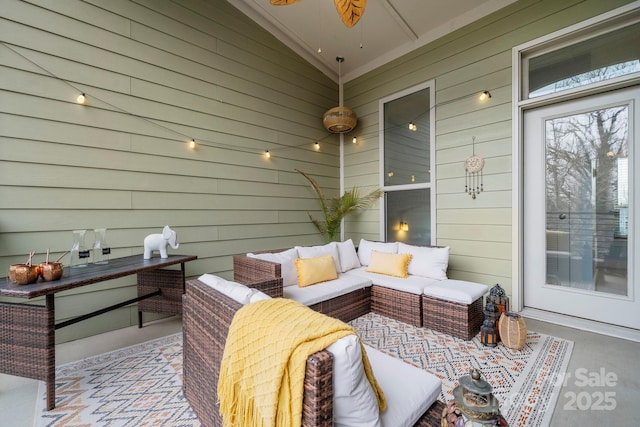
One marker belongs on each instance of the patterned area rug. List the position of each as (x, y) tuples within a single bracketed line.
[(135, 386), (142, 385), (526, 382)]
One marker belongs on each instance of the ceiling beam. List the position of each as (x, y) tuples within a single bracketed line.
[(401, 22)]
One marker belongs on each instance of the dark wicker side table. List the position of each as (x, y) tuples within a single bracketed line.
[(27, 331)]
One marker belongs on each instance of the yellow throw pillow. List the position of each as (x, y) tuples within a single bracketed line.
[(389, 264), (315, 270)]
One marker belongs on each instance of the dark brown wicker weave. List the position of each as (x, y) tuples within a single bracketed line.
[(171, 284), (456, 319), (403, 306), (207, 315), (27, 343), (461, 321), (27, 331), (346, 307)]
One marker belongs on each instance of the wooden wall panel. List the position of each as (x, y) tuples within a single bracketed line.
[(155, 74), (474, 58)]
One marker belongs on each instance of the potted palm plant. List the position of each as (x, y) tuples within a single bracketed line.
[(336, 208)]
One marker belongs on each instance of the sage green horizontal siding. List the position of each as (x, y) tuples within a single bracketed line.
[(474, 58), (156, 75)]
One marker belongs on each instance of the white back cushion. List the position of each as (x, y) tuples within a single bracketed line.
[(348, 256), (354, 402), (234, 290), (366, 246), (316, 251), (285, 259), (426, 261)]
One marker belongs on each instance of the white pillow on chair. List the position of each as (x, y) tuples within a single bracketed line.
[(366, 246), (354, 402), (285, 259), (426, 261)]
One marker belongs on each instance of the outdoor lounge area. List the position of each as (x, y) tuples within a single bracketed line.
[(396, 176)]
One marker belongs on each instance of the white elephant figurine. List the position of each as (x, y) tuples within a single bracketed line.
[(158, 242)]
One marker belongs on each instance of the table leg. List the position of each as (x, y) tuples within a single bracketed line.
[(50, 366), (27, 343)]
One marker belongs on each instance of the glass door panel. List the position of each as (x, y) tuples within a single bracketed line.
[(580, 196), (587, 200)]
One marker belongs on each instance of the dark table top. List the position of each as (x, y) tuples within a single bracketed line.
[(92, 273)]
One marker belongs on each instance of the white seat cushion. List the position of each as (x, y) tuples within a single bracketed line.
[(409, 391), (459, 291), (354, 402), (314, 294), (412, 284)]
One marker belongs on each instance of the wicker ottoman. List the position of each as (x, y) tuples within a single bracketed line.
[(454, 307)]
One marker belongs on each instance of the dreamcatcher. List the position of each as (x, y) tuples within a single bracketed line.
[(473, 173)]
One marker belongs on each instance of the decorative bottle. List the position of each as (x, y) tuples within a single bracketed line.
[(79, 252), (101, 249)]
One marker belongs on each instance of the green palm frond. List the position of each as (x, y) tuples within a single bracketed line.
[(336, 208)]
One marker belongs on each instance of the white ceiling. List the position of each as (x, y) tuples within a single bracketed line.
[(387, 29)]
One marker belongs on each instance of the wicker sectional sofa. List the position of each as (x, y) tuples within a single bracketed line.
[(207, 315), (450, 306)]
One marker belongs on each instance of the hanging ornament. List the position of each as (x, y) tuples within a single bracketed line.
[(473, 172)]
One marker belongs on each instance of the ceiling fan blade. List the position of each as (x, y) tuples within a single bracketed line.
[(283, 2), (350, 10)]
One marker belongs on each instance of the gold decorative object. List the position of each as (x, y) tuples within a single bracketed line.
[(350, 11), (51, 271), (473, 173), (513, 330)]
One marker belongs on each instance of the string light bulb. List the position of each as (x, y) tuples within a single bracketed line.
[(485, 95), (354, 140), (267, 154), (192, 144), (317, 145), (81, 98)]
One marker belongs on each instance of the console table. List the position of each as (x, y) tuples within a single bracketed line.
[(27, 331)]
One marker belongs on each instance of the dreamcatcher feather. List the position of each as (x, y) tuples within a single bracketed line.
[(473, 173)]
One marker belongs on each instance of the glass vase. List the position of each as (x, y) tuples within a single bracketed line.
[(79, 252), (101, 249)]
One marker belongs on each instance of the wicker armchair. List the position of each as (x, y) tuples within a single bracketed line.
[(207, 315)]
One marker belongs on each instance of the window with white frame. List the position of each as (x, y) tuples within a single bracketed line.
[(408, 165)]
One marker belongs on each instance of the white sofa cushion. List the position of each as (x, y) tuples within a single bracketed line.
[(285, 259), (366, 246), (326, 290), (412, 284), (234, 290), (408, 390), (426, 261), (348, 255), (354, 402), (316, 251), (459, 291)]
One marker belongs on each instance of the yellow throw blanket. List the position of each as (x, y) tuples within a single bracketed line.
[(263, 366)]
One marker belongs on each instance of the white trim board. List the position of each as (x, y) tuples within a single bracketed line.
[(582, 324)]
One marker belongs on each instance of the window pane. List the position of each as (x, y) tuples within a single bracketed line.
[(406, 139), (598, 59), (587, 198), (412, 208)]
